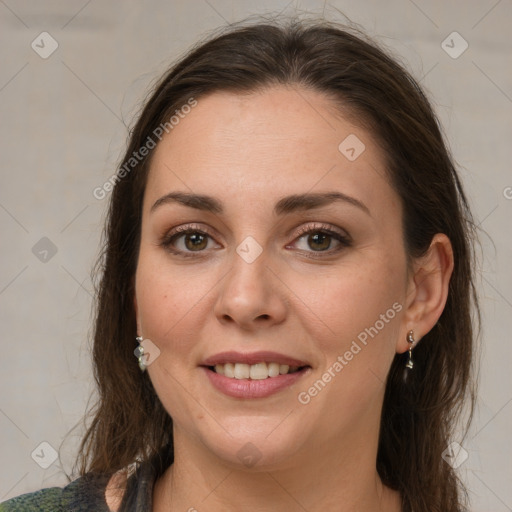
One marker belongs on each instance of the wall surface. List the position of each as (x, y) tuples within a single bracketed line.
[(72, 77)]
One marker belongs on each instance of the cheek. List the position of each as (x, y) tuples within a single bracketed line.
[(343, 303), (167, 295), (355, 328), (169, 304)]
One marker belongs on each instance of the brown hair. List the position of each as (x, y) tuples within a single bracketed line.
[(418, 419)]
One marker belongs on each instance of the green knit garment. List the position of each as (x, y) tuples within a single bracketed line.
[(87, 493), (81, 495)]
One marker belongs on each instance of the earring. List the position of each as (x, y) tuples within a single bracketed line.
[(139, 354), (410, 339)]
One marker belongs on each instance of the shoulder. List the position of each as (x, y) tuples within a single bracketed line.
[(85, 494), (128, 489)]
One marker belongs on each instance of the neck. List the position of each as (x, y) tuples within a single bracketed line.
[(319, 479)]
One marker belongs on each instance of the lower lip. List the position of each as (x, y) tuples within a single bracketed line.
[(247, 388)]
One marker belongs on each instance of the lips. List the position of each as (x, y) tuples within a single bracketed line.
[(253, 375)]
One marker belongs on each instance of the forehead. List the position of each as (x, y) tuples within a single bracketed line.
[(253, 148)]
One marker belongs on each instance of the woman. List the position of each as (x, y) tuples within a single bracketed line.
[(288, 251)]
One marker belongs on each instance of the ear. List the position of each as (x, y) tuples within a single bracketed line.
[(427, 290)]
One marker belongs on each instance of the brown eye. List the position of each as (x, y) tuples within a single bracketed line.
[(195, 241), (319, 241), (187, 241)]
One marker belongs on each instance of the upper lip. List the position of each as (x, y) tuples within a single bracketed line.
[(252, 358)]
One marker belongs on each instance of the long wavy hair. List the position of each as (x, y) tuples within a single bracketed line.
[(419, 419)]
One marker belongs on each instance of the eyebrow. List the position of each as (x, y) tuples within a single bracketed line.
[(288, 204)]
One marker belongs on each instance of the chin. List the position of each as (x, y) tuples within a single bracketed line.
[(255, 445)]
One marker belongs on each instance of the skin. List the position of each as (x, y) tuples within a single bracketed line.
[(249, 151)]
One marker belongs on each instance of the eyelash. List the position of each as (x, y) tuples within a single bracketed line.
[(170, 238)]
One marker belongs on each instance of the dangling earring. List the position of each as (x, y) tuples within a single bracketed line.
[(139, 354), (410, 364), (410, 340)]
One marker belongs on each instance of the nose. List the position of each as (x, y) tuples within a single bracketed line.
[(250, 295)]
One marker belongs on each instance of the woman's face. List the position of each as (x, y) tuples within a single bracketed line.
[(270, 234)]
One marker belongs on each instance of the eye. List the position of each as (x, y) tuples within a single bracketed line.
[(320, 238), (315, 240), (186, 240)]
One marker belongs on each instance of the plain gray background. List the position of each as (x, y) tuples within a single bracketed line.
[(63, 131)]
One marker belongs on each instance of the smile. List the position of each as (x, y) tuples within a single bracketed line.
[(253, 374)]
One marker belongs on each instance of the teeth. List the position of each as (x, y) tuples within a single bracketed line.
[(242, 371), (258, 371), (273, 369), (229, 370)]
